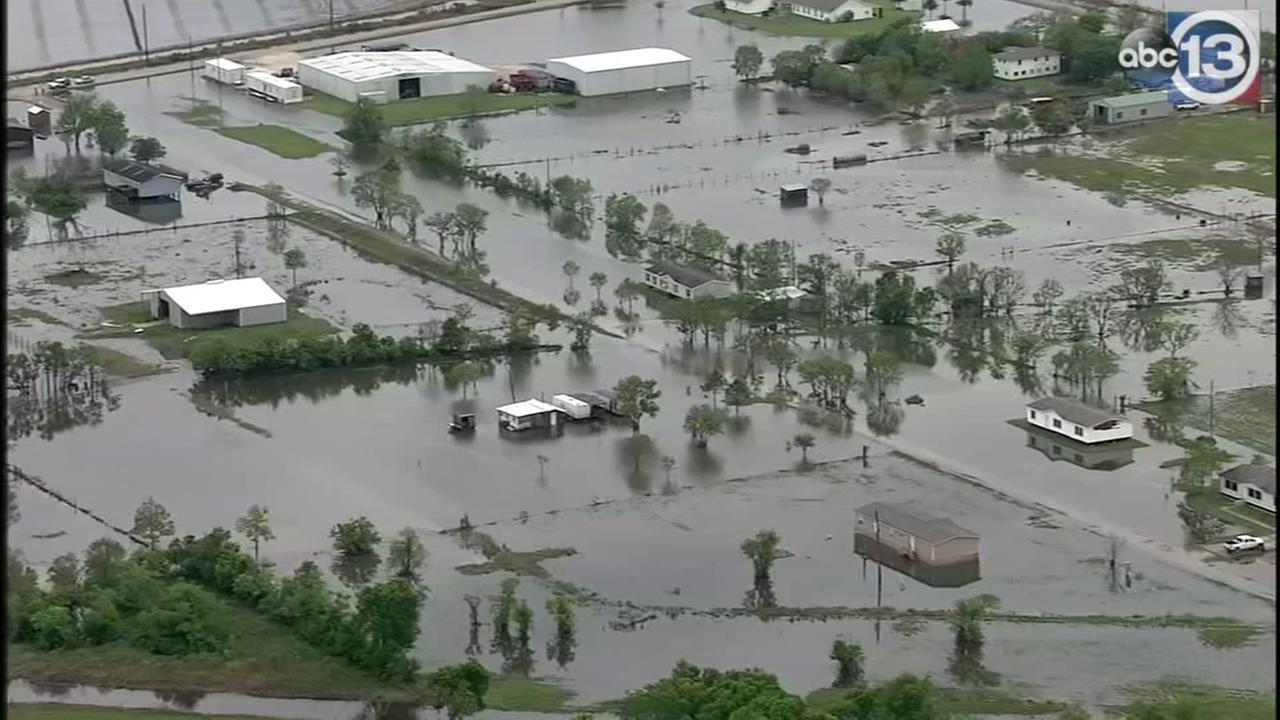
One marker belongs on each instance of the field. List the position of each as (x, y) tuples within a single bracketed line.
[(175, 343), (443, 107), (1173, 156), (795, 26), (1246, 416), (59, 711), (281, 141)]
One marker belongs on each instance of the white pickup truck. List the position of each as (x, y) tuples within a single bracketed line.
[(1244, 543)]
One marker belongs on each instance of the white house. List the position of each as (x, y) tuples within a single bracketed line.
[(684, 282), (834, 10), (243, 302), (1080, 422), (748, 7), (1022, 63), (527, 414), (1254, 484)]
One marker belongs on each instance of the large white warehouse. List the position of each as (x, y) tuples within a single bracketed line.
[(387, 76), (623, 71)]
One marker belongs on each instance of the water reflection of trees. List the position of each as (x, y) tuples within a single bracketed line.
[(967, 669), (356, 571), (54, 389), (318, 385), (1139, 328), (180, 699), (1227, 318), (1166, 425), (562, 651), (636, 455), (760, 596), (884, 418)]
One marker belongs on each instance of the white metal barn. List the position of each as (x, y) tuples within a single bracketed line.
[(624, 70), (386, 76), (243, 302)]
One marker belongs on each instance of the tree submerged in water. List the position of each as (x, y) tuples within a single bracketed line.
[(53, 389)]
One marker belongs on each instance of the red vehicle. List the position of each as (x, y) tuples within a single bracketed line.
[(522, 82)]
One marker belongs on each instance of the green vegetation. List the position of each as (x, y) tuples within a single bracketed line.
[(1246, 416), (21, 315), (201, 114), (500, 558), (74, 277), (1201, 254), (1173, 157), (176, 343), (786, 24), (1196, 702), (285, 142), (962, 702), (63, 711), (1227, 637), (521, 694), (118, 364), (442, 107)]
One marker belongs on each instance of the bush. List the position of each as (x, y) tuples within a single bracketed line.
[(103, 622), (54, 628), (185, 621)]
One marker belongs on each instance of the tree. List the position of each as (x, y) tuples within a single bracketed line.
[(1028, 347), (109, 129), (1143, 285), (950, 247), (1169, 378), (363, 124), (146, 149), (463, 374), (882, 371), (64, 574), (780, 355), (523, 615), (971, 67), (407, 554), (104, 563), (1174, 336), (582, 331), (637, 397), (929, 6), (848, 658), (622, 216), (894, 299), (570, 269), (820, 186), (914, 94), (386, 618), (1047, 294), (703, 421), (404, 205), (1228, 273), (378, 191), (561, 610), (627, 291), (737, 394), (295, 258), (804, 441), (434, 151), (597, 280), (151, 522), (77, 118), (966, 621), (459, 690), (255, 526), (443, 224), (1013, 122), (714, 383), (747, 60), (761, 549), (57, 197), (964, 11), (793, 68), (355, 538)]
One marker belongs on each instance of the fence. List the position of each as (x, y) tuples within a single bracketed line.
[(40, 485), (174, 227)]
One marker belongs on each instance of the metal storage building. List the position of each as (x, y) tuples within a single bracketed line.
[(141, 182), (1131, 108), (624, 70), (243, 302), (386, 76)]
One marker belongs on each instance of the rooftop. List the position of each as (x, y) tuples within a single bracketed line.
[(689, 277), (363, 66), (1134, 99), (1025, 53), (272, 80), (525, 408), (224, 64), (1077, 413), (136, 171), (825, 5), (920, 524), (222, 295), (787, 292), (942, 25), (639, 57), (1261, 476)]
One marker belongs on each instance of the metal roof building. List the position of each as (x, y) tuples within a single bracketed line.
[(1131, 107), (243, 302), (624, 70), (140, 181), (386, 76)]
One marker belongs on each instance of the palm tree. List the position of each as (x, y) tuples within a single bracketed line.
[(964, 10), (930, 6), (762, 550)]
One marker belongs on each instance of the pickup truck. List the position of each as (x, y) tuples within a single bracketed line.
[(1244, 543)]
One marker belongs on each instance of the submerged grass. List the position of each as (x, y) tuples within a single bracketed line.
[(1228, 637), (1246, 416), (18, 316), (1196, 701), (119, 364), (500, 558), (443, 107), (201, 114), (521, 694), (1201, 255), (282, 141), (75, 277)]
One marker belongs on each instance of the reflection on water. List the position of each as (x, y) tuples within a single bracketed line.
[(313, 386), (1090, 457), (942, 576)]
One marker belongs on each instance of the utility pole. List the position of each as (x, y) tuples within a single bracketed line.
[(219, 86), (1211, 428), (235, 238), (191, 63), (146, 46)]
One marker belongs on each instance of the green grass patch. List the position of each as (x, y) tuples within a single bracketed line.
[(18, 316), (1227, 637), (74, 278), (201, 114), (177, 343), (994, 228), (282, 141), (500, 558), (520, 694), (443, 107), (958, 702), (1194, 701), (1232, 512), (1173, 156), (121, 365), (1246, 416), (786, 24), (1200, 255), (64, 711), (134, 312), (264, 659)]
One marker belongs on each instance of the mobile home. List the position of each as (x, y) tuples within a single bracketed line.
[(227, 72), (265, 85)]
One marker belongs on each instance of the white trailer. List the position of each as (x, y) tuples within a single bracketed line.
[(268, 86), (227, 72), (572, 406)]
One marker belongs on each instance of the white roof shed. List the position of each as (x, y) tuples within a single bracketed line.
[(624, 70), (526, 408), (244, 301), (384, 76)]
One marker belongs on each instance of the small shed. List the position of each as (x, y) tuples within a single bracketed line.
[(942, 25), (794, 194), (601, 401), (40, 120), (1131, 108), (18, 137), (1253, 287), (140, 182), (242, 302), (528, 414), (916, 534)]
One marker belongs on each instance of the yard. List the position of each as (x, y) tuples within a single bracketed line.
[(1172, 156), (796, 26), (281, 141), (176, 343), (1246, 416), (443, 107)]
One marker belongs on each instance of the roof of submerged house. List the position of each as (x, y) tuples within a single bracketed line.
[(689, 277)]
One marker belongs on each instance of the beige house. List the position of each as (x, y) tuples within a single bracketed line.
[(683, 281), (916, 534)]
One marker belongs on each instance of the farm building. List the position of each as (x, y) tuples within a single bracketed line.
[(528, 414), (918, 535), (683, 281), (1254, 484), (141, 182), (623, 71), (830, 11), (269, 87), (1130, 108), (227, 72), (748, 7), (242, 302), (1080, 422), (1022, 63), (794, 194), (575, 408), (387, 76)]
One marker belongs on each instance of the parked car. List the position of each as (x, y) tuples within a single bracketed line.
[(1187, 106), (83, 81), (1244, 543), (59, 83)]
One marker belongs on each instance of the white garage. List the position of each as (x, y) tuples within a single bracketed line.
[(243, 302), (387, 76), (624, 70)]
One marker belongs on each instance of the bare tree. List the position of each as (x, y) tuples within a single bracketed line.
[(1228, 273)]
